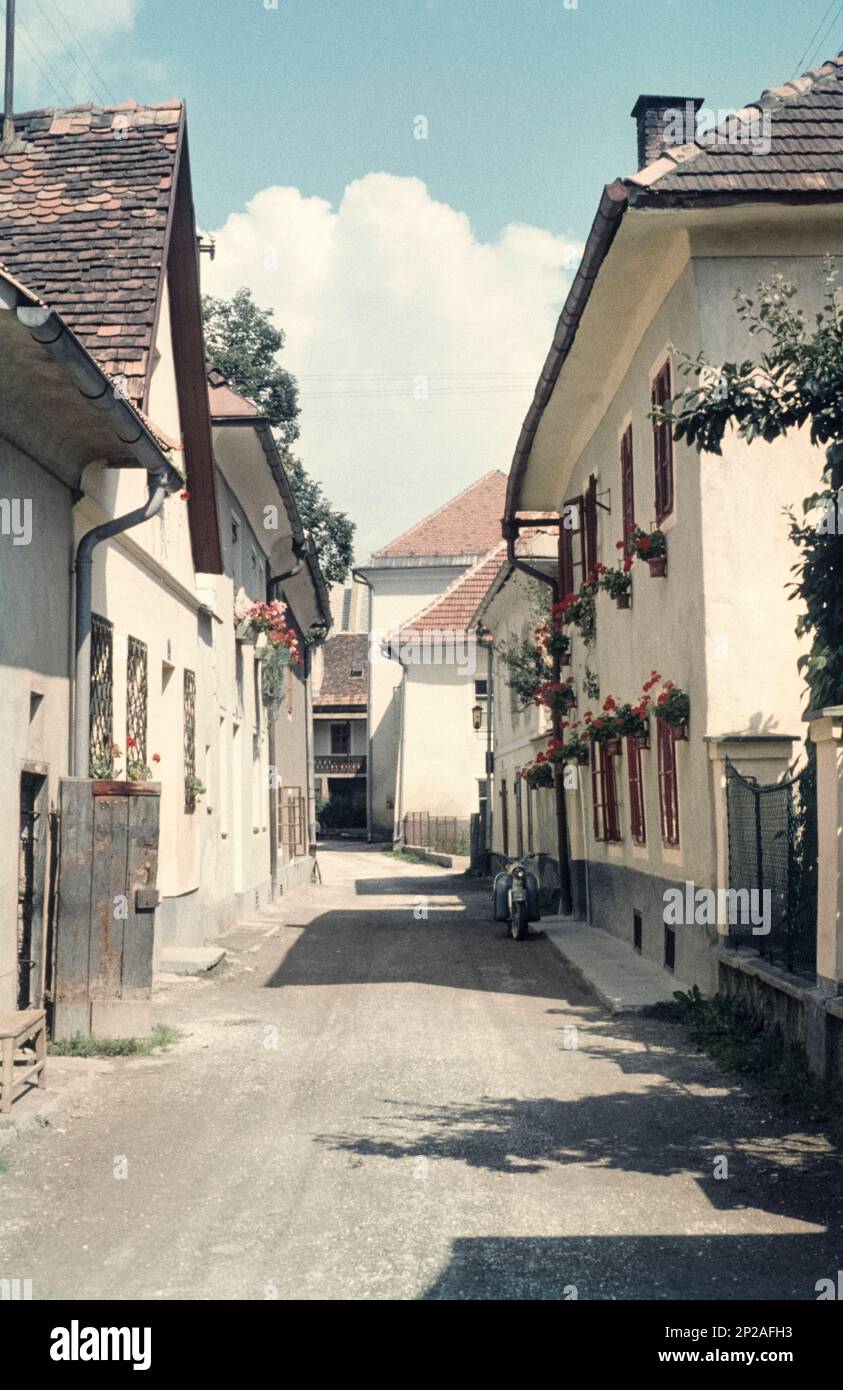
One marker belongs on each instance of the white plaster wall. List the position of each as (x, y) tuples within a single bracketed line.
[(34, 658), (397, 595), (443, 757)]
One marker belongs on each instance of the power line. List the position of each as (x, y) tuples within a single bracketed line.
[(33, 51), (83, 50), (64, 46), (800, 66), (818, 50)]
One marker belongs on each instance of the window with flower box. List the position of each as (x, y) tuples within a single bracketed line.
[(662, 447), (668, 785), (627, 489), (604, 795), (635, 778)]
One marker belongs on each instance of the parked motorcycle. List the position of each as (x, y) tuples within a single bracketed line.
[(515, 897)]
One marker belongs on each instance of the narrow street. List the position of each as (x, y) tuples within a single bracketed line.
[(429, 1126)]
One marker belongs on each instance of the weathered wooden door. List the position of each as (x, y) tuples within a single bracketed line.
[(106, 906)]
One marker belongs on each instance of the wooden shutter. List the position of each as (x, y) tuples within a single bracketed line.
[(636, 793), (668, 787), (590, 527), (627, 488), (662, 447), (597, 793)]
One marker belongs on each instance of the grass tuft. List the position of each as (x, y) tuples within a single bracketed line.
[(739, 1039), (82, 1045)]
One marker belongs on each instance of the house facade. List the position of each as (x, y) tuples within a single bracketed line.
[(670, 247), (405, 578), (123, 663)]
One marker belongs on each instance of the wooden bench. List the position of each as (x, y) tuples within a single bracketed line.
[(27, 1027)]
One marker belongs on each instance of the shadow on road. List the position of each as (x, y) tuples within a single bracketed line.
[(639, 1267)]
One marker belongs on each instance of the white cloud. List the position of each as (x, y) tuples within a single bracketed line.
[(388, 288)]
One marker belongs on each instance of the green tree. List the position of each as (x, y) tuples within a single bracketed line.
[(243, 342), (797, 380)]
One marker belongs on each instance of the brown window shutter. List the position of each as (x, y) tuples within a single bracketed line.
[(597, 797), (627, 488), (662, 447)]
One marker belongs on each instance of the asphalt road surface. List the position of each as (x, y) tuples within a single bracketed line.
[(381, 1096)]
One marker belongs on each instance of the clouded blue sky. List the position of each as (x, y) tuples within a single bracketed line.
[(389, 258)]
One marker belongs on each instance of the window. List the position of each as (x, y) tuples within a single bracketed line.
[(341, 739), (571, 526), (519, 824), (589, 530), (190, 780), (101, 736), (604, 795), (627, 488), (636, 793), (504, 818), (668, 787), (662, 447), (291, 821), (136, 703), (481, 698)]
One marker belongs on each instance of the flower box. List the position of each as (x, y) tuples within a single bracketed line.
[(623, 601), (658, 566), (613, 747), (679, 733), (103, 786)]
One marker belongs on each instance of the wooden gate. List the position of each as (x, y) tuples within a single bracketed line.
[(106, 907)]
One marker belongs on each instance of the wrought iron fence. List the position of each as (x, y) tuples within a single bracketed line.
[(443, 834), (773, 850)]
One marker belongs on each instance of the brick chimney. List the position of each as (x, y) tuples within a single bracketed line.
[(662, 122)]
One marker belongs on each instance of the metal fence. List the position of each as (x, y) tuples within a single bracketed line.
[(773, 850), (443, 834)]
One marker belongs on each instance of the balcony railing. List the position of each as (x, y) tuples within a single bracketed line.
[(332, 763)]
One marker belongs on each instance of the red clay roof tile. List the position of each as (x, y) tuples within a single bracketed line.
[(470, 524)]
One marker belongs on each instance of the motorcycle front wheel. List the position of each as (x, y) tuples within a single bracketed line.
[(518, 921)]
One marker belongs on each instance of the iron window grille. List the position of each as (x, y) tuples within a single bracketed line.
[(101, 727), (136, 703), (190, 781)]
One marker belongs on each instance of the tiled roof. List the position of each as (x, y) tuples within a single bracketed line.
[(805, 152), (342, 654), (470, 524), (84, 214), (226, 403), (455, 607)]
